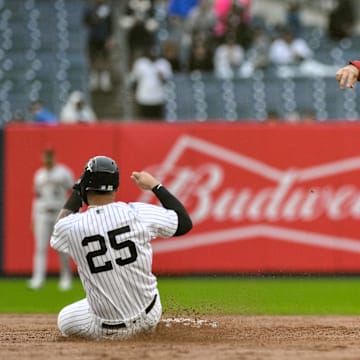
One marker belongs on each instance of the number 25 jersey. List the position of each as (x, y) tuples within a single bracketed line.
[(110, 245)]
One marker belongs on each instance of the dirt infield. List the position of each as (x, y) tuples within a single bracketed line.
[(210, 337)]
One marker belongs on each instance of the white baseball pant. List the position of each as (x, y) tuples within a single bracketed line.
[(77, 320)]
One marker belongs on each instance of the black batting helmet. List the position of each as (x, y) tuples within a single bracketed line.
[(101, 174)]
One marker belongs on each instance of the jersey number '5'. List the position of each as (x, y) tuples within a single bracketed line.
[(121, 261)]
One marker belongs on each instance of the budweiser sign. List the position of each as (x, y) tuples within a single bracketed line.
[(234, 197), (262, 198)]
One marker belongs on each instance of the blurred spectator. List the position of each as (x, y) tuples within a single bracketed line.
[(293, 19), (273, 117), (233, 16), (308, 116), (41, 115), (257, 57), (141, 25), (181, 8), (170, 52), (177, 13), (98, 19), (292, 117), (201, 57), (76, 110), (200, 22), (228, 57), (341, 20), (288, 50), (201, 19), (148, 78), (18, 117), (259, 51)]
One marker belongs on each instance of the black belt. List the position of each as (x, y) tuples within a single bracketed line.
[(123, 325)]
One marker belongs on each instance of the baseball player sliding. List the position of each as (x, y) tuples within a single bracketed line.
[(51, 184), (110, 243)]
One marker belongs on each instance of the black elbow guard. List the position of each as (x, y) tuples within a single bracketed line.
[(184, 225)]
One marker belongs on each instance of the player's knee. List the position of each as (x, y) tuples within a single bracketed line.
[(64, 322), (61, 323), (74, 319)]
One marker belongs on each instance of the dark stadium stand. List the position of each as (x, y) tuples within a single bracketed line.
[(253, 100), (43, 55)]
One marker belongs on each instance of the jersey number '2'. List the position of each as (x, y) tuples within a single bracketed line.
[(121, 261)]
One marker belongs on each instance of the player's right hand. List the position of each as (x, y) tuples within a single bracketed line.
[(144, 180), (347, 76)]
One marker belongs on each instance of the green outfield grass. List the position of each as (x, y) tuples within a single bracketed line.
[(205, 295)]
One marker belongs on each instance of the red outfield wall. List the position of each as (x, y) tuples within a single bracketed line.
[(263, 198)]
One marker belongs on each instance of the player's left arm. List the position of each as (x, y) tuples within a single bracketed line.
[(73, 203)]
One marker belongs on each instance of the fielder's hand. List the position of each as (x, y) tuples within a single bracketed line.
[(144, 180), (347, 76)]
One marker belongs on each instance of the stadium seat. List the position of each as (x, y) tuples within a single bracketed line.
[(43, 53)]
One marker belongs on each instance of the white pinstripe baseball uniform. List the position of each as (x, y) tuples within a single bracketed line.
[(111, 246), (51, 186)]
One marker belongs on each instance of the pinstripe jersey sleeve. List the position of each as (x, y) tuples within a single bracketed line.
[(159, 221), (59, 237)]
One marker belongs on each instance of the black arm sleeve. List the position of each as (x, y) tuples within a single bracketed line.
[(74, 202), (169, 201)]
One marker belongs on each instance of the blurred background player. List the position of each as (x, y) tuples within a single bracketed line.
[(51, 184)]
